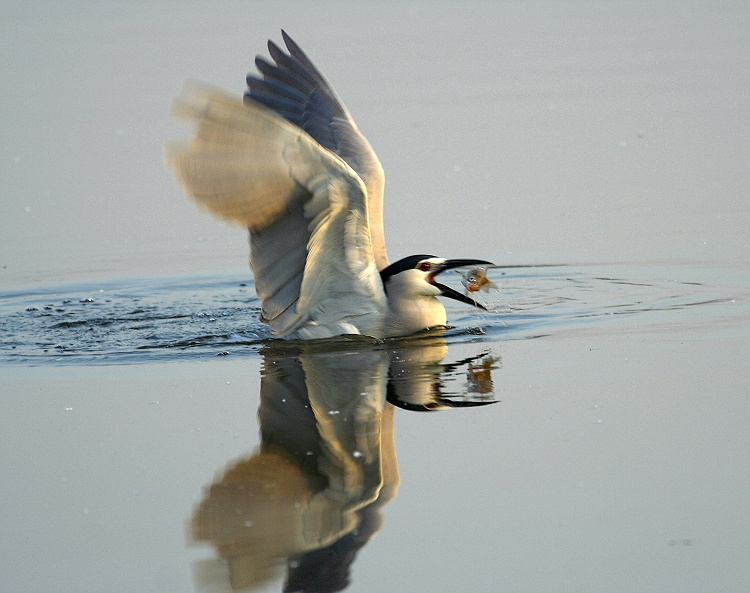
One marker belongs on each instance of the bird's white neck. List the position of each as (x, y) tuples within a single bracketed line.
[(407, 315)]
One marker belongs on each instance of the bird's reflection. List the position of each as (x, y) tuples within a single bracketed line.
[(311, 496)]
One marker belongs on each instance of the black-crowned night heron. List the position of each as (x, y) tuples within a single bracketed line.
[(290, 164)]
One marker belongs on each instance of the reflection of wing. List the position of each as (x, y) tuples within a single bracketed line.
[(295, 89), (306, 209), (326, 465), (347, 393)]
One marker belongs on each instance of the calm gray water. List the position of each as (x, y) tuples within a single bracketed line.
[(155, 438)]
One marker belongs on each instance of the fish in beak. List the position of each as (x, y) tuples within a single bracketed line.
[(447, 291)]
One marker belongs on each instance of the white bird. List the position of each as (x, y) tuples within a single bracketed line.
[(290, 164)]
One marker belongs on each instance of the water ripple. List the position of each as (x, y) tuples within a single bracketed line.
[(149, 320)]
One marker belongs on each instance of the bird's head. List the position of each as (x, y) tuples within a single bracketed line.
[(414, 276)]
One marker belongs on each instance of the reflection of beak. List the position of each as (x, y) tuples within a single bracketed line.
[(447, 291), (435, 405)]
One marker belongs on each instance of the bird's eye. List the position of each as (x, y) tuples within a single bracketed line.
[(425, 266)]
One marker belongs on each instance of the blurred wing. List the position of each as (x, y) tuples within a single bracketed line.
[(305, 207), (295, 89)]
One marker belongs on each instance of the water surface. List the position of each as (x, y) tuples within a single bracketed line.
[(147, 320), (156, 438)]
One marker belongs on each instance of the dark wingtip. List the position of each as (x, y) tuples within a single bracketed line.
[(291, 44), (274, 50)]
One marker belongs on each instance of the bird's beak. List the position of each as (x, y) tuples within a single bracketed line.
[(447, 291)]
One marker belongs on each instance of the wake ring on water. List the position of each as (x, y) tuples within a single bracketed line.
[(150, 320)]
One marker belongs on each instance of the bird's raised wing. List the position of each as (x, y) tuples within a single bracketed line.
[(305, 207), (295, 89)]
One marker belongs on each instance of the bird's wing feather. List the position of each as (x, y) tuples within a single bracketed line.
[(231, 165), (295, 89), (305, 207)]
